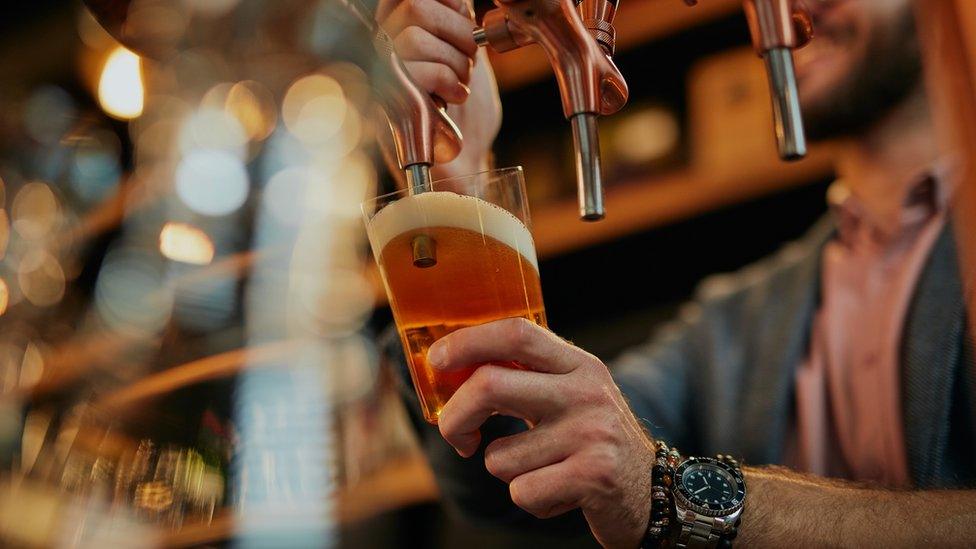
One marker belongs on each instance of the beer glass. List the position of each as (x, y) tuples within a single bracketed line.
[(456, 256)]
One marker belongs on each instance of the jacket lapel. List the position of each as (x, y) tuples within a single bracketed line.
[(930, 354), (780, 345)]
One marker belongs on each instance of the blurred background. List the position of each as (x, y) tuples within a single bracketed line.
[(187, 305)]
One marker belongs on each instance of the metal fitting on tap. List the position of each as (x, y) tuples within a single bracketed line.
[(787, 117), (589, 176)]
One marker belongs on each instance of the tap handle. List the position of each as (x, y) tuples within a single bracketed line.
[(423, 133)]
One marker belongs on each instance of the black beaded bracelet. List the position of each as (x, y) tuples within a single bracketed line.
[(661, 520)]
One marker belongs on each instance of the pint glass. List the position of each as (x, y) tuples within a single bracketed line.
[(456, 256)]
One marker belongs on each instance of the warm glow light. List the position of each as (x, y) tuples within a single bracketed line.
[(120, 90), (646, 135), (314, 109), (41, 278), (4, 296), (35, 211), (186, 243)]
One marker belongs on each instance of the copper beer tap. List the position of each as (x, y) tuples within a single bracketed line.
[(423, 133), (579, 42), (778, 27)]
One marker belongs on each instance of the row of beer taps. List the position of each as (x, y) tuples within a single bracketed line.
[(578, 40)]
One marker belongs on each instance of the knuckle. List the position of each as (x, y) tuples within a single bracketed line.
[(487, 381), (411, 36), (414, 8), (445, 76), (604, 470), (596, 432), (591, 364), (590, 393)]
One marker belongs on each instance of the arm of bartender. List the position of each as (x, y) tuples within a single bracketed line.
[(738, 372)]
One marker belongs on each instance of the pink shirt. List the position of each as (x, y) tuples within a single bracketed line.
[(848, 391)]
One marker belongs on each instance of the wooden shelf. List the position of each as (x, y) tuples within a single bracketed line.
[(658, 200), (637, 22)]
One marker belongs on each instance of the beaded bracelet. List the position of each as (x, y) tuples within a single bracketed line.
[(666, 459)]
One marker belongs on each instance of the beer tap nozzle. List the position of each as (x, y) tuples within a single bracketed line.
[(778, 27), (787, 117), (586, 142), (578, 39)]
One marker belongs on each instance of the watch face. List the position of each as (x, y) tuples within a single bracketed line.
[(709, 486)]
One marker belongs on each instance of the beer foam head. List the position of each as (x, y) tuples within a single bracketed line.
[(447, 209)]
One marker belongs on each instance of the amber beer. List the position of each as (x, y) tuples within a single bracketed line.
[(484, 268)]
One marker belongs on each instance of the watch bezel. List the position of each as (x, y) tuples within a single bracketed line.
[(683, 496)]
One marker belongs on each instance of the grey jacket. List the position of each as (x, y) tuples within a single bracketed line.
[(719, 379)]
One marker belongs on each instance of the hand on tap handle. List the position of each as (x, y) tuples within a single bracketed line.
[(433, 38)]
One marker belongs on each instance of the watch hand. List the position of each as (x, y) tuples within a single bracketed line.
[(705, 487)]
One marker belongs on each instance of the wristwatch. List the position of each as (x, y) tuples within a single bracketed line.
[(708, 497)]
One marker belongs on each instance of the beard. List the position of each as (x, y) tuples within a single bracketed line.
[(889, 72)]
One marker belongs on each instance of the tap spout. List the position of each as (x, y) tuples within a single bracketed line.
[(589, 178), (787, 116)]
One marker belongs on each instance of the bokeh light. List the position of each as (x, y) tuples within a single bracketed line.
[(41, 278), (314, 109), (338, 190), (284, 195), (646, 135), (4, 233), (49, 114), (94, 170), (131, 295), (250, 103), (35, 211), (213, 129), (4, 296), (212, 182), (186, 244), (120, 87)]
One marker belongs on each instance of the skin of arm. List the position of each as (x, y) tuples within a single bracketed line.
[(586, 450), (784, 507)]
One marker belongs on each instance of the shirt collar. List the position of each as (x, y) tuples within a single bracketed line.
[(926, 197)]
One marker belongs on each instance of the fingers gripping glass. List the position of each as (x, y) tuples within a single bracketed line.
[(458, 256)]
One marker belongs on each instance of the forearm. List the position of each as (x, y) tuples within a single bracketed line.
[(785, 508)]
